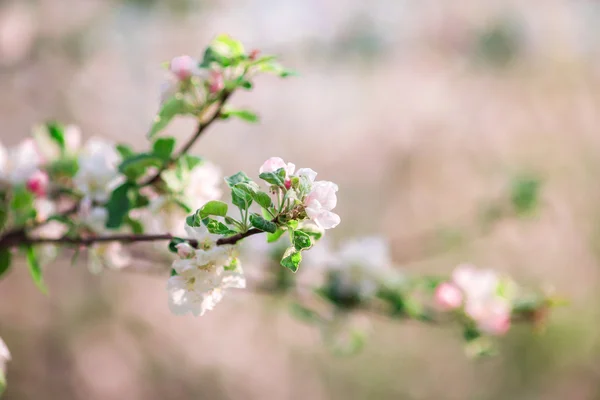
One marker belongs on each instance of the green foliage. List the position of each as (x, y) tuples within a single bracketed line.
[(214, 207), (5, 259), (273, 237), (244, 115), (304, 314), (125, 151), (240, 177), (272, 177), (57, 134), (260, 223), (173, 243), (171, 108), (22, 205), (136, 226), (118, 206), (525, 194), (163, 148), (136, 166), (301, 240), (291, 259), (35, 270), (216, 227)]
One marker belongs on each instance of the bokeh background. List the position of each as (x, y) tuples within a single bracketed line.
[(424, 112)]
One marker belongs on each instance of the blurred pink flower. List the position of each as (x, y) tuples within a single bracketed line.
[(448, 296)]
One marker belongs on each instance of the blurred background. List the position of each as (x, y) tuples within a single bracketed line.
[(424, 112)]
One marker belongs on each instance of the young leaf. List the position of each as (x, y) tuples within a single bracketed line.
[(227, 46), (262, 199), (217, 228), (136, 166), (301, 240), (273, 237), (125, 151), (57, 134), (244, 115), (214, 207), (291, 259), (240, 198), (237, 178), (173, 243), (35, 270), (271, 178), (163, 148), (22, 205), (172, 107), (118, 206), (135, 224), (5, 258), (260, 223), (193, 220)]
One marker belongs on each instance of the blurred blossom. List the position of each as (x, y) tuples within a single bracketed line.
[(17, 32), (487, 297), (19, 163), (112, 255), (362, 264), (448, 296), (97, 175), (38, 183)]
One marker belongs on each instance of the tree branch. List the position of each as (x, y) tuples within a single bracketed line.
[(201, 128), (236, 238)]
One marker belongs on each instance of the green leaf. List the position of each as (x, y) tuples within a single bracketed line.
[(125, 151), (216, 227), (135, 224), (214, 207), (244, 115), (244, 83), (5, 258), (271, 178), (193, 220), (212, 56), (57, 134), (262, 199), (293, 224), (163, 148), (241, 198), (301, 240), (227, 46), (118, 206), (136, 166), (63, 166), (291, 259), (22, 205), (189, 162), (260, 223), (273, 237), (525, 194), (171, 108), (237, 178), (35, 270), (174, 242)]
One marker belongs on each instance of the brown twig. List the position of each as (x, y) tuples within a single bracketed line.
[(199, 130)]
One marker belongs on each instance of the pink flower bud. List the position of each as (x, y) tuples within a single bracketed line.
[(254, 54), (184, 250), (448, 297), (288, 183), (183, 67), (216, 82), (37, 183)]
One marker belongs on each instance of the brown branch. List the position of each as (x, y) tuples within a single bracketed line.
[(14, 240), (236, 238), (201, 128)]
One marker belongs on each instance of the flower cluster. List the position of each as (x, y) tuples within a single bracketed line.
[(201, 275), (4, 358)]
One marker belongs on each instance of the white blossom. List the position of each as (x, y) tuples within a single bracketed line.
[(198, 187), (319, 203), (362, 265), (97, 175), (112, 255), (19, 163), (203, 277)]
